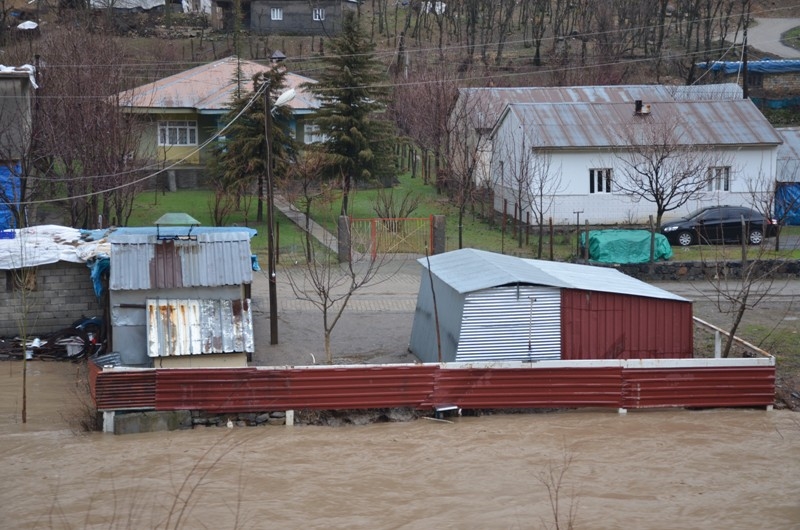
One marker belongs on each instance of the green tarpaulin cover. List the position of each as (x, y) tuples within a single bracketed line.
[(625, 246)]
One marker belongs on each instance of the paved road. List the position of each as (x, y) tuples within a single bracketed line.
[(765, 36)]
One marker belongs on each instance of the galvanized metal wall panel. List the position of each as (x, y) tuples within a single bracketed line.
[(599, 325), (424, 342), (140, 261), (121, 390), (699, 387), (512, 323), (194, 327)]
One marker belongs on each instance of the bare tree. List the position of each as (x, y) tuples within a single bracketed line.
[(659, 164), (88, 144), (468, 152), (304, 183), (738, 289), (552, 477), (527, 177), (329, 285), (422, 103)]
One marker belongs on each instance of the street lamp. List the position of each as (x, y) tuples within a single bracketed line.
[(271, 254)]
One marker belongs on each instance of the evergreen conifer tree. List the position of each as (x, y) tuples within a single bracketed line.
[(353, 91)]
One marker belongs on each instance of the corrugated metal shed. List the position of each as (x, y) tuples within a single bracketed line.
[(194, 327), (470, 269), (139, 260), (712, 123), (504, 308), (211, 87)]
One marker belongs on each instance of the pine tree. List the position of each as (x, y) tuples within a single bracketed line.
[(352, 91), (240, 161)]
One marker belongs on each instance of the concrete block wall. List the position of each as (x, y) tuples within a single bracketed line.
[(63, 294)]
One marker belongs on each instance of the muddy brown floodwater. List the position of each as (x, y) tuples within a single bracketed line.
[(658, 469)]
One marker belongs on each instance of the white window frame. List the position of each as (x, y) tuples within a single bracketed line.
[(719, 178), (318, 14), (312, 134), (600, 180), (177, 133), (276, 13)]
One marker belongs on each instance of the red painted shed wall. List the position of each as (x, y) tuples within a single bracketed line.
[(597, 325)]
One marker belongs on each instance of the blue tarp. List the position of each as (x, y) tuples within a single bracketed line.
[(9, 194), (787, 203), (98, 267), (625, 246), (764, 66)]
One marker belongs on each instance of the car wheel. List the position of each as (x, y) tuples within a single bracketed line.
[(756, 237), (685, 239)]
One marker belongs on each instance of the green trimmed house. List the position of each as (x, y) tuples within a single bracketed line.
[(185, 113)]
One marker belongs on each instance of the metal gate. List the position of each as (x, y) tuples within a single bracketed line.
[(406, 235)]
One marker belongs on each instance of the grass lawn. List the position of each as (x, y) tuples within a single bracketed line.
[(150, 206), (478, 230)]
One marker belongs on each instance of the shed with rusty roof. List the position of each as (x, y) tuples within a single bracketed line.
[(180, 296), (483, 306)]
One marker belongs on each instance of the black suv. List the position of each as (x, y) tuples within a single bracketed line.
[(719, 224)]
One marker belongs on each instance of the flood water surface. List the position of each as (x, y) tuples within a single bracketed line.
[(654, 469)]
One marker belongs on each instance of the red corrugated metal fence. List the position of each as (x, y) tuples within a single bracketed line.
[(425, 386), (698, 387)]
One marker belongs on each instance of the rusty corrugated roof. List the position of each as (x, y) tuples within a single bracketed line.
[(210, 88), (597, 125), (139, 260)]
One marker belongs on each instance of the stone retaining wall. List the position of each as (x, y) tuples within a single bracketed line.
[(700, 270)]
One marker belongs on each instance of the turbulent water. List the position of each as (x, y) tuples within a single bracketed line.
[(657, 469)]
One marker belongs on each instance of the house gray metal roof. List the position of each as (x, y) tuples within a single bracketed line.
[(789, 155), (468, 270), (490, 102), (217, 257), (595, 125), (210, 88)]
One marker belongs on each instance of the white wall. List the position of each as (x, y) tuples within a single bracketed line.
[(747, 164)]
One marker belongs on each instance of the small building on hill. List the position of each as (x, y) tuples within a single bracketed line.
[(476, 306)]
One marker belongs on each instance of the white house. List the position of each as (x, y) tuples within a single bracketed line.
[(477, 109), (585, 145)]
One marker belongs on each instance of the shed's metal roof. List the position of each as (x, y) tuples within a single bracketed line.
[(490, 102), (789, 155), (216, 258), (210, 88), (593, 125), (468, 270)]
